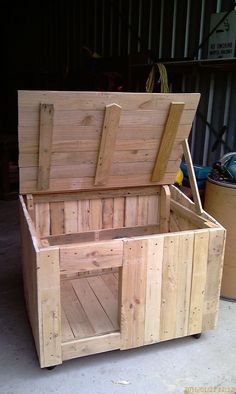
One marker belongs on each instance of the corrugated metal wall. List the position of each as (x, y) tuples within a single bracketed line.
[(51, 36)]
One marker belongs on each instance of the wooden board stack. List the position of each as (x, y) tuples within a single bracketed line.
[(113, 257)]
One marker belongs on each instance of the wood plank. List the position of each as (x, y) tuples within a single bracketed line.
[(42, 218), (95, 214), (74, 312), (102, 235), (112, 283), (107, 212), (84, 347), (30, 248), (83, 215), (107, 145), (66, 332), (95, 118), (45, 145), (131, 207), (188, 214), (200, 258), (192, 178), (153, 210), (106, 298), (29, 100), (169, 134), (57, 222), (48, 286), (97, 194), (88, 257), (30, 206), (169, 287), (68, 184), (119, 212), (133, 294), (71, 217), (184, 281), (213, 278), (165, 209), (153, 290), (142, 211), (94, 311)]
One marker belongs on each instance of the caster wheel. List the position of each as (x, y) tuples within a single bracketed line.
[(197, 336), (51, 368)]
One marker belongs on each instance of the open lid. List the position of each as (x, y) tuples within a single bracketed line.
[(96, 140)]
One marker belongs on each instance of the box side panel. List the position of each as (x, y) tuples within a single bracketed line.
[(83, 215)]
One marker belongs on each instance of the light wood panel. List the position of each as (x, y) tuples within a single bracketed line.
[(87, 257), (79, 130), (107, 144), (167, 141), (200, 258)]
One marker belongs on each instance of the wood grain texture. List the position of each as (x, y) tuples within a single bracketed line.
[(167, 141), (165, 209), (87, 257), (107, 144), (200, 258), (93, 345), (45, 145), (192, 177), (133, 293), (49, 314), (77, 132)]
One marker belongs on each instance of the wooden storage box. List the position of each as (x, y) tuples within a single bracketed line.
[(113, 257)]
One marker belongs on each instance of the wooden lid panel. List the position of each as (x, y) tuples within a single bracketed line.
[(121, 133)]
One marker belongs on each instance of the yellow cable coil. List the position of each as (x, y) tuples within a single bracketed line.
[(163, 78)]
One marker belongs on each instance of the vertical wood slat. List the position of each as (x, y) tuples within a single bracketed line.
[(213, 281), (184, 280), (133, 294), (42, 218), (45, 145), (167, 141), (107, 145), (48, 285), (153, 290), (107, 213), (30, 206), (83, 215), (57, 218), (200, 257), (71, 217), (169, 287), (95, 214), (165, 209), (131, 206), (119, 212), (176, 285)]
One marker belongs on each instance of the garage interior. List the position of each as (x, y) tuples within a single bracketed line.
[(111, 45)]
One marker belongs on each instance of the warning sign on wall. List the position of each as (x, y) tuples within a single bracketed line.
[(222, 41)]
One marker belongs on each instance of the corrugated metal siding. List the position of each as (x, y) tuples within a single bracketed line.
[(52, 35)]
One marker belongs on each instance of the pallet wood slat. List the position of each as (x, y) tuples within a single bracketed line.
[(164, 209), (45, 145), (192, 177), (107, 145), (167, 141), (200, 257)]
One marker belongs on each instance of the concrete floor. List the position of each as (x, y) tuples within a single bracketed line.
[(170, 367)]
